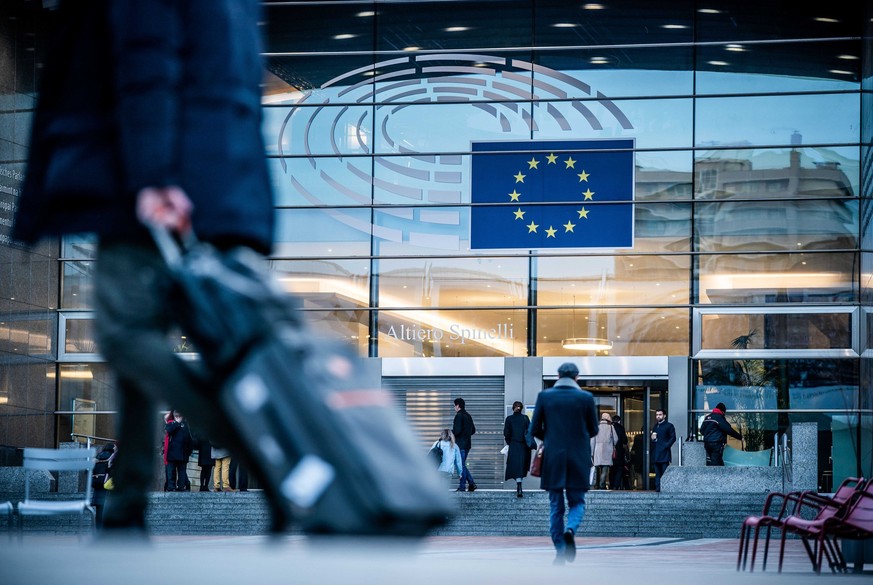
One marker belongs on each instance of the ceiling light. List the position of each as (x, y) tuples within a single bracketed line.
[(343, 36), (673, 26), (586, 344), (457, 29), (599, 60), (848, 57), (709, 11), (719, 63), (366, 13), (736, 48), (593, 7), (412, 48), (840, 72), (824, 19), (565, 25)]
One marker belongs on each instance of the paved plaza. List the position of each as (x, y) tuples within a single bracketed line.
[(44, 560)]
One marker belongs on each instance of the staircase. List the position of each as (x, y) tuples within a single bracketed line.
[(482, 513)]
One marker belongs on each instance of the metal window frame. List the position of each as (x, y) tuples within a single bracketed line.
[(697, 351)]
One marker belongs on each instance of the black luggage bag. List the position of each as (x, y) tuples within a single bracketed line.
[(334, 457)]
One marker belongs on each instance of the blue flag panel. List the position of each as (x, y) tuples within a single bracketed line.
[(553, 194)]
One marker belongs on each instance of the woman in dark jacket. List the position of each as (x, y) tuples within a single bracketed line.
[(518, 458)]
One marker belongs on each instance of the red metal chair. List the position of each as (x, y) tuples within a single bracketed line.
[(798, 503), (853, 520)]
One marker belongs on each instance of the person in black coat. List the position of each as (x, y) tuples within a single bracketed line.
[(148, 111), (715, 430), (204, 460), (565, 418), (619, 473), (464, 429), (518, 458), (663, 437), (179, 449)]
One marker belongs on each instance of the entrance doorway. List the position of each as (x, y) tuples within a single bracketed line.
[(636, 402)]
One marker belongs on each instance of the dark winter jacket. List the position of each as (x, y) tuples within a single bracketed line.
[(463, 429), (660, 449), (124, 107), (515, 434), (180, 444), (565, 417), (715, 428)]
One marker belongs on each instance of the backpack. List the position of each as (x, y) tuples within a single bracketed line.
[(436, 453), (100, 474)]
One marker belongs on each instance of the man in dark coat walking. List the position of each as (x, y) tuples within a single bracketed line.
[(565, 418), (715, 430), (463, 429), (179, 449), (149, 110), (663, 437)]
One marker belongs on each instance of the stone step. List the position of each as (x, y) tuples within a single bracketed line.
[(485, 512)]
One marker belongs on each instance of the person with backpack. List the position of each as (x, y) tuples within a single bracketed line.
[(450, 455), (100, 483)]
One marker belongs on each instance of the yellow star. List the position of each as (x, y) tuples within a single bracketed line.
[(568, 227), (514, 195), (519, 214), (552, 158), (583, 176), (532, 163), (550, 232), (570, 162), (588, 194), (532, 227), (519, 178), (583, 213)]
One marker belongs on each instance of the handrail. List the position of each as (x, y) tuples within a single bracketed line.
[(89, 437)]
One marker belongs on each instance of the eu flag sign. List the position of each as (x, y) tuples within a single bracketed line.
[(552, 194)]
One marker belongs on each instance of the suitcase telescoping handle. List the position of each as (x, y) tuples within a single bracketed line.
[(172, 245)]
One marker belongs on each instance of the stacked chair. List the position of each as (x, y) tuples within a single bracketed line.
[(818, 521)]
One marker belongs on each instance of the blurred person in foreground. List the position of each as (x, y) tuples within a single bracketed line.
[(148, 111), (565, 418)]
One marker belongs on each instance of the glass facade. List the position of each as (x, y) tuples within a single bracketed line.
[(752, 137)]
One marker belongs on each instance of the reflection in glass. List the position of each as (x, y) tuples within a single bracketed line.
[(317, 27), (613, 280), (447, 333), (774, 120), (422, 179), (79, 336), (322, 232), (321, 180), (314, 130), (664, 123), (789, 225), (317, 79), (776, 331), (90, 382), (638, 332), (617, 72), (450, 282), (76, 246), (78, 289), (343, 323), (778, 278), (777, 173)]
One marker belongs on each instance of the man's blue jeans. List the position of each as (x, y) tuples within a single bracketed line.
[(465, 473), (576, 501)]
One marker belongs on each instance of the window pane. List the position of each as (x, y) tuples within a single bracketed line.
[(778, 278), (314, 27), (448, 127), (636, 332), (613, 280), (766, 121), (326, 283), (453, 282), (410, 231), (87, 382), (314, 130), (777, 384), (344, 324), (624, 72), (778, 173), (79, 336), (322, 232), (777, 331), (446, 333), (779, 19), (653, 123), (322, 180), (79, 246), (318, 79), (798, 225), (749, 68), (421, 179), (78, 288)]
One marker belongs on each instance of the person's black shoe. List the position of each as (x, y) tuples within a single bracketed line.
[(569, 545), (472, 487), (518, 492), (461, 490)]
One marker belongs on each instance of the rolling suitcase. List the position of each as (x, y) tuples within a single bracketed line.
[(334, 457)]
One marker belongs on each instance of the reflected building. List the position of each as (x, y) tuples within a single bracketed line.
[(748, 280)]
